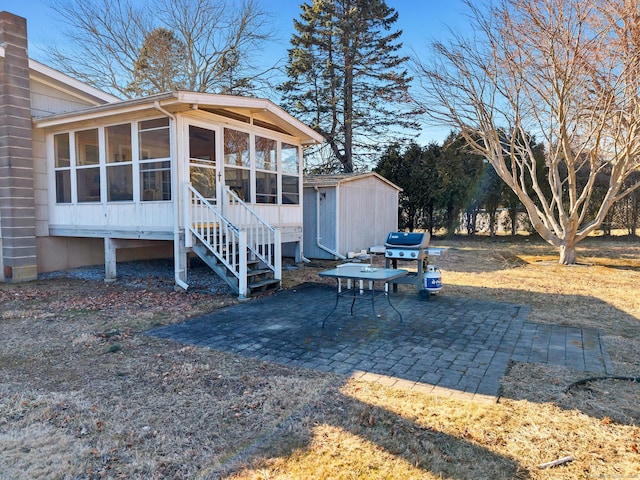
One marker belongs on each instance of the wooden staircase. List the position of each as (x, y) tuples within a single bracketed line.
[(259, 279), (246, 254)]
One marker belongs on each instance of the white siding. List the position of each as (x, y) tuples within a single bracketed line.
[(46, 100), (140, 220), (117, 217), (40, 182), (279, 215), (368, 212)]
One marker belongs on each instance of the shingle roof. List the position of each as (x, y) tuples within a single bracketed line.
[(333, 180)]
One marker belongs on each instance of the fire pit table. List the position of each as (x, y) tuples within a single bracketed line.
[(363, 273)]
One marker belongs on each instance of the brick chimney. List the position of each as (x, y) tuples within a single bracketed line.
[(18, 262)]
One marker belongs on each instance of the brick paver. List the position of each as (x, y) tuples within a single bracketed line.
[(447, 345)]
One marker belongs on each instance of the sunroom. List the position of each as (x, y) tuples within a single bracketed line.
[(219, 176)]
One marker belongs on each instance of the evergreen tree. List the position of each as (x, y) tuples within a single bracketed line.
[(432, 156), (490, 194), (406, 169), (158, 67), (346, 78), (459, 173)]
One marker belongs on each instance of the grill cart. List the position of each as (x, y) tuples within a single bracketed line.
[(403, 249)]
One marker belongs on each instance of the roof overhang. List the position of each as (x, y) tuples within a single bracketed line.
[(254, 110)]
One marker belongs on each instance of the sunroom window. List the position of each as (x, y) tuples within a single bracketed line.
[(87, 166), (62, 166), (237, 163), (266, 167), (119, 163), (154, 154), (104, 159), (290, 174), (202, 161)]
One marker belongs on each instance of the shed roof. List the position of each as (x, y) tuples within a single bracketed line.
[(334, 180), (253, 111)]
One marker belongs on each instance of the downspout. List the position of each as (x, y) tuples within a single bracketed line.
[(323, 247), (338, 218), (176, 198), (2, 279)]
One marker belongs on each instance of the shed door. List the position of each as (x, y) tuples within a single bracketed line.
[(203, 165)]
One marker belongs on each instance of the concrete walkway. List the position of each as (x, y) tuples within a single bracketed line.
[(446, 345)]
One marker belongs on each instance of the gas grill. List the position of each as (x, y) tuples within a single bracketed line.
[(406, 247)]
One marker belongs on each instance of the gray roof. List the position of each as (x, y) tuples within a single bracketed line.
[(333, 180)]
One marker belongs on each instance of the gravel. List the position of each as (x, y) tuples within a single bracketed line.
[(150, 274)]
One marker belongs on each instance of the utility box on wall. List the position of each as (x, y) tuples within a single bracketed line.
[(347, 213)]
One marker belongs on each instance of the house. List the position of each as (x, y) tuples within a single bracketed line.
[(88, 178), (347, 213)]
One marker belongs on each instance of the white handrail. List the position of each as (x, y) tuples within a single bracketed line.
[(218, 234), (263, 240), (229, 237)]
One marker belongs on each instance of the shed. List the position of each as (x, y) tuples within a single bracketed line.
[(347, 213)]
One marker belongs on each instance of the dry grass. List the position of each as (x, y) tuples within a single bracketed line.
[(83, 395)]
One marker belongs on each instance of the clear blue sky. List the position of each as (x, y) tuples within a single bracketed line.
[(420, 21)]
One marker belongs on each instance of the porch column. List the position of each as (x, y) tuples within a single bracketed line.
[(109, 260)]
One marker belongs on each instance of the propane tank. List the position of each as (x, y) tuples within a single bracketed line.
[(433, 279)]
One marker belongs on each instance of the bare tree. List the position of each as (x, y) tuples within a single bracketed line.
[(565, 71), (208, 45)]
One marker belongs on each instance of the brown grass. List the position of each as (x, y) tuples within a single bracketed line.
[(84, 395)]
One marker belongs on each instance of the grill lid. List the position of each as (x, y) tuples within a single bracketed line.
[(407, 240)]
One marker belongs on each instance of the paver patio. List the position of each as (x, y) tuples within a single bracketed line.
[(447, 345)]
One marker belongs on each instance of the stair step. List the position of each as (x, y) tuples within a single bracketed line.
[(258, 271), (259, 280), (264, 285)]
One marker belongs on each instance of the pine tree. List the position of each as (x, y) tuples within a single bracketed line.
[(158, 67), (347, 79)]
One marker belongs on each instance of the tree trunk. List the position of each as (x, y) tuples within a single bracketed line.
[(635, 202), (492, 221), (568, 254), (430, 217)]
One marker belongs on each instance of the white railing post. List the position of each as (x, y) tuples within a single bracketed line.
[(234, 236), (277, 255), (188, 207), (242, 254), (260, 234), (224, 239)]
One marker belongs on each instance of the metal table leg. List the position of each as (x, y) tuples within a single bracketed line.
[(353, 300), (386, 293), (335, 306)]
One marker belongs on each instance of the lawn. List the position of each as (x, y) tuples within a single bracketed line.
[(85, 395)]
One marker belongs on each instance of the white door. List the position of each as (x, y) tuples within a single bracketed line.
[(205, 169)]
